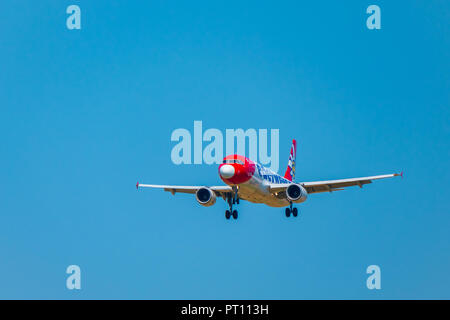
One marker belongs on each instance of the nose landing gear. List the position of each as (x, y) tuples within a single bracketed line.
[(290, 210), (229, 214), (232, 199)]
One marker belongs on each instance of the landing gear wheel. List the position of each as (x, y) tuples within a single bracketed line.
[(295, 212), (235, 214), (227, 214), (288, 212)]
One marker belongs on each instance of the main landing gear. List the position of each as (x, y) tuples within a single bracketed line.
[(290, 210), (232, 199)]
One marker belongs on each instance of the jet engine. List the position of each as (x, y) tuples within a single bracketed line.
[(296, 193), (205, 196)]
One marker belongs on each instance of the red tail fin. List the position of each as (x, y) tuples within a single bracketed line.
[(290, 171)]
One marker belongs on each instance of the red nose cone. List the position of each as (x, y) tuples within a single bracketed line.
[(236, 169)]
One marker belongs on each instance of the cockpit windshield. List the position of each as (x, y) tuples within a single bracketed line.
[(233, 161)]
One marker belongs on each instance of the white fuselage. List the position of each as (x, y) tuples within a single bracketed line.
[(257, 189)]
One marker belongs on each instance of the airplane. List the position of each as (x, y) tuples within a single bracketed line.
[(250, 181)]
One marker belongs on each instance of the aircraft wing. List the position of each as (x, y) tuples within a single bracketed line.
[(219, 190), (334, 185)]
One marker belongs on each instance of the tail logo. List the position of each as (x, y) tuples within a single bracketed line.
[(291, 165), (290, 171)]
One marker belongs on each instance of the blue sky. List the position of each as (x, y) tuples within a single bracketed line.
[(87, 113)]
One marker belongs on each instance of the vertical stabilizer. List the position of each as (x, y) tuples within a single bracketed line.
[(290, 171)]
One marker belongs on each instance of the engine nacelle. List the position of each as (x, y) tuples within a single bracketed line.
[(296, 193), (205, 196)]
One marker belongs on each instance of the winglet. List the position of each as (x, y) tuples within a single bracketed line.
[(399, 174), (137, 185)]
